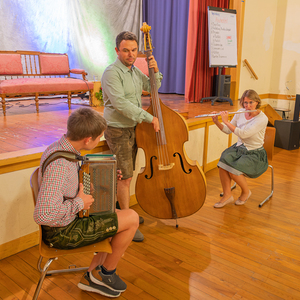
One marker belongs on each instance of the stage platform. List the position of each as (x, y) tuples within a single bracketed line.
[(24, 129), (24, 134)]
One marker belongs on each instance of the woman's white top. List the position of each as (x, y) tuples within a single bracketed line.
[(251, 132)]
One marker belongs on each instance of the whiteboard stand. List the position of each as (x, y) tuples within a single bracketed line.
[(219, 94), (222, 46)]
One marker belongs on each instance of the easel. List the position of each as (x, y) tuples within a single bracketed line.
[(218, 97)]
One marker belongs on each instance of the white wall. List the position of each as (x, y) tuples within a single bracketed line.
[(271, 44), (258, 44), (17, 206), (286, 58)]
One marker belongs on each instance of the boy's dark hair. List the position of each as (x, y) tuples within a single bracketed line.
[(85, 122), (125, 35)]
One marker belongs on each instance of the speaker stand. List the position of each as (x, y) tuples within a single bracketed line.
[(218, 96)]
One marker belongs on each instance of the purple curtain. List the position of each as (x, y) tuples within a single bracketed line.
[(169, 23), (199, 75)]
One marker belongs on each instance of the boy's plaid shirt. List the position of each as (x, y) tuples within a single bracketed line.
[(57, 204)]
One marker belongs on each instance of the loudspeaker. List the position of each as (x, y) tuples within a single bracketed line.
[(224, 89), (287, 134), (297, 108)]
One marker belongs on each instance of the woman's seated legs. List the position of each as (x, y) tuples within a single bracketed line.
[(242, 182), (225, 179)]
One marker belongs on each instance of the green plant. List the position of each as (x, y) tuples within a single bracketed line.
[(99, 96)]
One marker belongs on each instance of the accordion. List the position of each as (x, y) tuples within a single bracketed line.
[(98, 174)]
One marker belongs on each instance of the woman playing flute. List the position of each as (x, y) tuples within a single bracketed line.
[(247, 157)]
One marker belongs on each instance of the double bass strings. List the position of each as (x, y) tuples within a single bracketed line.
[(163, 156)]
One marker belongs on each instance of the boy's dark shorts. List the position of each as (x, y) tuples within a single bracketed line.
[(81, 232), (121, 142)]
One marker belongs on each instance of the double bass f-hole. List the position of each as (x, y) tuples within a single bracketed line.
[(181, 162), (151, 167)]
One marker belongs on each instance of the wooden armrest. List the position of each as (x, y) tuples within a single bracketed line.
[(79, 71)]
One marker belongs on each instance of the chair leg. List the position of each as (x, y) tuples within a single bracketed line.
[(43, 274), (232, 188), (272, 188)]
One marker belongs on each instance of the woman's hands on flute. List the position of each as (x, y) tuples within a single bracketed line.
[(216, 121), (215, 117), (224, 116)]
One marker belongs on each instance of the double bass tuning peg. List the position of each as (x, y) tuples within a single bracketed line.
[(145, 28), (147, 37)]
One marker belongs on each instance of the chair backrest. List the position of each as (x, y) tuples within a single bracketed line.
[(34, 185), (142, 65), (269, 141)]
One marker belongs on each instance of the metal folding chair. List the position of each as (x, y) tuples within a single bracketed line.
[(269, 147)]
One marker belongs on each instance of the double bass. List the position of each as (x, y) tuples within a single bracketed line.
[(171, 185)]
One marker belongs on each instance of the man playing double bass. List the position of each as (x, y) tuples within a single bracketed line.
[(122, 86)]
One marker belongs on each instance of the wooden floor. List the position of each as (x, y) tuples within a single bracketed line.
[(236, 252), (22, 128)]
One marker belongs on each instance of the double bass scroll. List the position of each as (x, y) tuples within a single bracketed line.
[(171, 185)]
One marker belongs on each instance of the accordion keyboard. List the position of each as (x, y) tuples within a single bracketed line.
[(86, 181)]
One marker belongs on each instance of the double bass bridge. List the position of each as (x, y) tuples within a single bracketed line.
[(166, 167)]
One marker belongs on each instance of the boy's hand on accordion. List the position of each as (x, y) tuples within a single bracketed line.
[(119, 174), (87, 199), (92, 189)]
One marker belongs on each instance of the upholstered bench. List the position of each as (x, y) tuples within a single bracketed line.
[(141, 63), (29, 73)]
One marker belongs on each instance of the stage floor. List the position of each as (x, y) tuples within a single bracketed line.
[(23, 129)]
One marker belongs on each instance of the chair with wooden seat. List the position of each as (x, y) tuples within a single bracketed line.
[(51, 253), (269, 147)]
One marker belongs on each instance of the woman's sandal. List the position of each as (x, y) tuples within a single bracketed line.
[(221, 204), (240, 202)]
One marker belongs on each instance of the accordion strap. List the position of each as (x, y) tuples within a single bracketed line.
[(70, 156)]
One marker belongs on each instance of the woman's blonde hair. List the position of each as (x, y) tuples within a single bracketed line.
[(252, 95)]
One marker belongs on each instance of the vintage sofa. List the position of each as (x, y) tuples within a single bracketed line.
[(30, 73), (143, 66)]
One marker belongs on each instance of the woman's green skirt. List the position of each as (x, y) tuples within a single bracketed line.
[(238, 160)]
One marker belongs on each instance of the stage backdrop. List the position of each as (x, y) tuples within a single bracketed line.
[(84, 29)]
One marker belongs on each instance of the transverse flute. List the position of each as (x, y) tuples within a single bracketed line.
[(230, 113)]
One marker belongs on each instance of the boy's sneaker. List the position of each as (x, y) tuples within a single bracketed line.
[(138, 237), (87, 285), (113, 282)]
